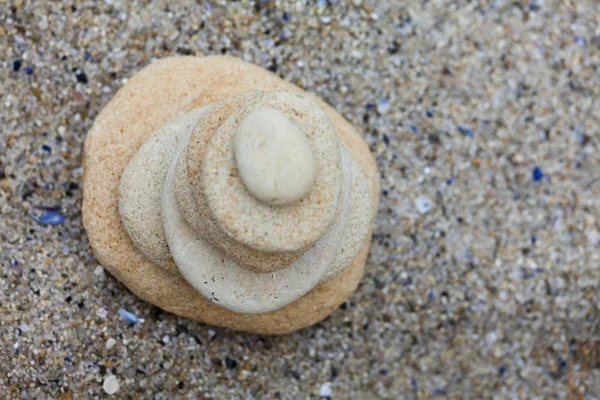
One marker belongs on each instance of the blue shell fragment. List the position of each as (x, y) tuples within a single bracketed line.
[(128, 316), (50, 216)]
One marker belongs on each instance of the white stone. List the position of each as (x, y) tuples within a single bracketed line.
[(383, 106), (423, 204), (102, 312), (325, 390), (111, 385), (274, 157), (110, 343)]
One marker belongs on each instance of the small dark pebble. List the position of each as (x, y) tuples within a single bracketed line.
[(28, 70), (184, 51), (68, 358), (465, 131), (47, 149), (69, 299), (584, 139), (285, 17), (17, 65), (230, 363), (394, 47), (274, 66), (537, 174), (180, 384), (386, 139), (81, 77), (87, 56), (501, 371), (429, 114)]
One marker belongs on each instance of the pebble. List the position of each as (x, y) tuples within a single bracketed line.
[(111, 385), (325, 390), (326, 19), (423, 204), (383, 106), (102, 312), (128, 316), (49, 217), (110, 343), (537, 174)]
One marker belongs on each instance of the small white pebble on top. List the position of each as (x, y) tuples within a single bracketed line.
[(24, 328), (111, 384), (325, 390)]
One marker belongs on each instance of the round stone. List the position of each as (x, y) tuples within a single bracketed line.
[(111, 385), (274, 157)]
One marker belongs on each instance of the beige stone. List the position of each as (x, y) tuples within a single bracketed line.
[(274, 157), (166, 90)]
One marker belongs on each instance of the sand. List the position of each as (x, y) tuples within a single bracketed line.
[(484, 272)]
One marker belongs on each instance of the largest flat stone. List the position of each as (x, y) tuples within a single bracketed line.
[(159, 93)]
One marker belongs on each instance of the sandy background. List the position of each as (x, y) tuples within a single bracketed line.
[(484, 275)]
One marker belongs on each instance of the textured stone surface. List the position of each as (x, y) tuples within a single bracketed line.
[(483, 275)]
